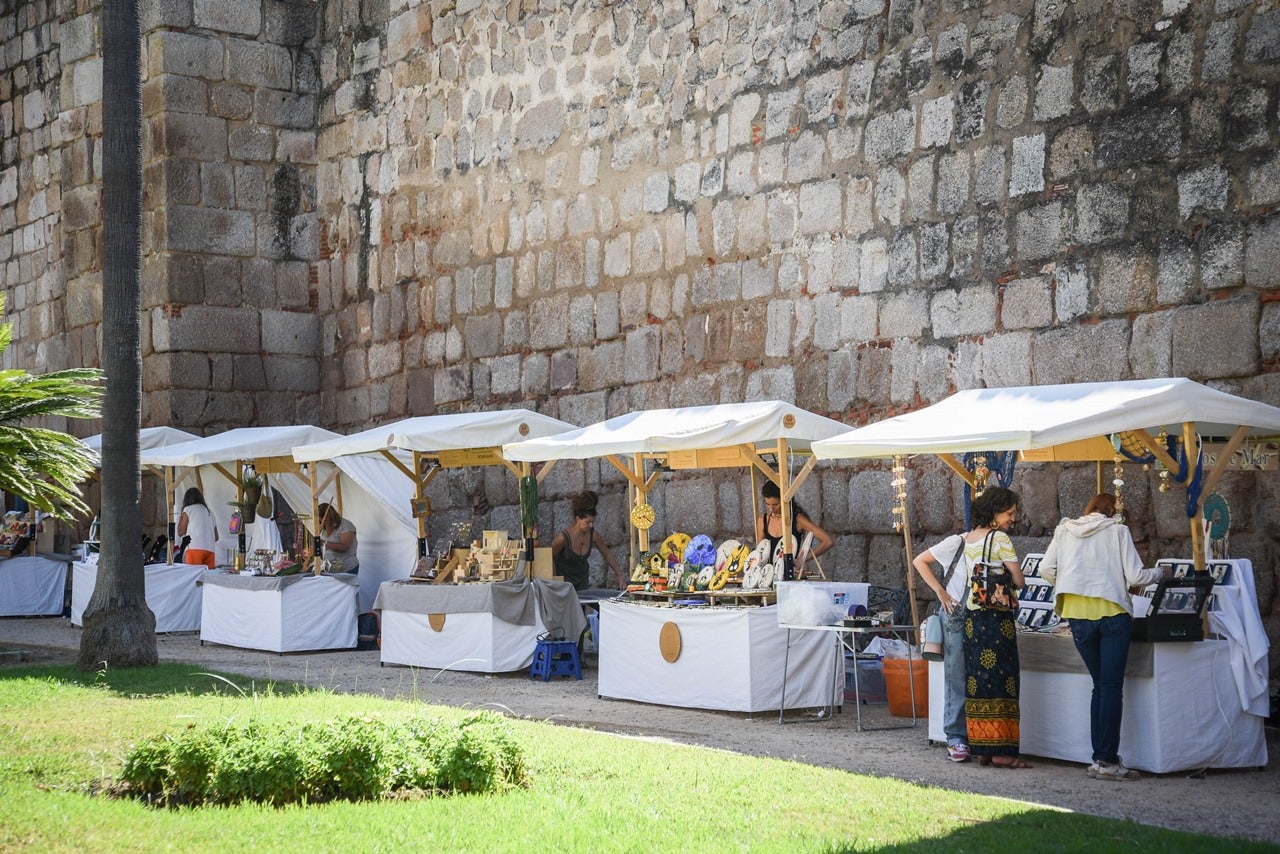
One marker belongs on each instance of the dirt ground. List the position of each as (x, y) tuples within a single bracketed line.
[(1227, 803)]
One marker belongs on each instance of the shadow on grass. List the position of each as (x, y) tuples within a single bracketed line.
[(163, 679), (1054, 830)]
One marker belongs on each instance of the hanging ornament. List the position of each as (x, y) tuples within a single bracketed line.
[(899, 483), (1162, 441), (1118, 483), (980, 475)]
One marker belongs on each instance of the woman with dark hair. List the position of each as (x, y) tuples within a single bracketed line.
[(990, 635), (571, 548), (769, 525), (1092, 563), (338, 538), (197, 523)]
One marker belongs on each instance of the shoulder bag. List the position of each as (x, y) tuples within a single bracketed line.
[(991, 585)]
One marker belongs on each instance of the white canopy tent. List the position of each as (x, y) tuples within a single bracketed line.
[(728, 434), (148, 438), (420, 447), (1072, 422), (371, 495)]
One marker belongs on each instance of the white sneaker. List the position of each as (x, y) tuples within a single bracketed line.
[(1107, 771), (1092, 770)]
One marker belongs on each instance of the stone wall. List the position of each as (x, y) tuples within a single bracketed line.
[(359, 210), (857, 206)]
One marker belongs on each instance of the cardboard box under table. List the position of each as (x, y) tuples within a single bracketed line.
[(172, 593), (32, 586), (728, 659), (279, 614), (484, 628)]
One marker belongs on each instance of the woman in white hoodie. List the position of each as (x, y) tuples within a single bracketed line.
[(1092, 563)]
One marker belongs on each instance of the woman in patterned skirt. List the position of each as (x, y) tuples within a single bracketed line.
[(991, 638)]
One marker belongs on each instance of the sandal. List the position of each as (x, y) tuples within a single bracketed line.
[(1014, 762)]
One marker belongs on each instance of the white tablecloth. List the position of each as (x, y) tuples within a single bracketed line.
[(32, 585), (468, 634), (289, 614), (1185, 715), (731, 659), (172, 594)]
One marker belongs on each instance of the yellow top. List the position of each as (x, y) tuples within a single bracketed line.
[(1073, 606)]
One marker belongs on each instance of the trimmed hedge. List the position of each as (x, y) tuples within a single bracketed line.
[(351, 758)]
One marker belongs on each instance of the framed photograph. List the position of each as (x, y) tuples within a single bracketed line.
[(421, 507), (1031, 565)]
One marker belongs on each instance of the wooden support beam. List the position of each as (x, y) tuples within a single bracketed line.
[(954, 464), (760, 464), (545, 470), (800, 477), (220, 468), (512, 467), (173, 512), (1224, 457), (1161, 454), (621, 465), (784, 487), (395, 461)]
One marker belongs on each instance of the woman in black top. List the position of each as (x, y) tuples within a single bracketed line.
[(571, 548), (769, 525)]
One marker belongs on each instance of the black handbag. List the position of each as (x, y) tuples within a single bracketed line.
[(991, 584)]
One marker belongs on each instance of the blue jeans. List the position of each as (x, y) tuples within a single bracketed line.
[(953, 722), (1104, 646)]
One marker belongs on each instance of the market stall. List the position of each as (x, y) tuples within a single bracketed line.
[(1193, 434), (486, 628), (32, 585), (291, 613), (732, 656), (217, 465), (413, 451), (172, 593)]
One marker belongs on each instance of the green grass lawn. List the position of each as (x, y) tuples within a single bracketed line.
[(63, 736)]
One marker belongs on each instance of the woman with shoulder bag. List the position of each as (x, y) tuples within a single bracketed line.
[(1092, 563), (991, 633), (951, 591)]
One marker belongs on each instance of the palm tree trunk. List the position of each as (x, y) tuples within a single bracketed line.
[(119, 628)]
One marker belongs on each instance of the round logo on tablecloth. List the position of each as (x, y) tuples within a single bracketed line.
[(436, 622), (669, 642)]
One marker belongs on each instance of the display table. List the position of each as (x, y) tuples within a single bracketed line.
[(846, 641), (1181, 707), (289, 614), (485, 628), (729, 659), (172, 592), (32, 586)]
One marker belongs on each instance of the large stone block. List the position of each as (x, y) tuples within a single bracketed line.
[(290, 332), (194, 229), (189, 54), (1126, 281), (207, 328), (1054, 92), (1039, 231), (1143, 136), (890, 135), (1027, 304), (602, 366), (1006, 359), (228, 16), (1102, 213), (971, 311), (1262, 252), (1217, 339), (1027, 175), (1056, 356), (258, 64), (547, 327), (819, 207), (1203, 189)]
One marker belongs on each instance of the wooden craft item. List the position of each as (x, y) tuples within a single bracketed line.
[(669, 642), (436, 622)]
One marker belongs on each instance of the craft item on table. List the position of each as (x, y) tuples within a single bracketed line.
[(726, 553), (719, 580), (700, 552), (675, 576), (672, 548), (753, 568), (642, 516), (705, 576)]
